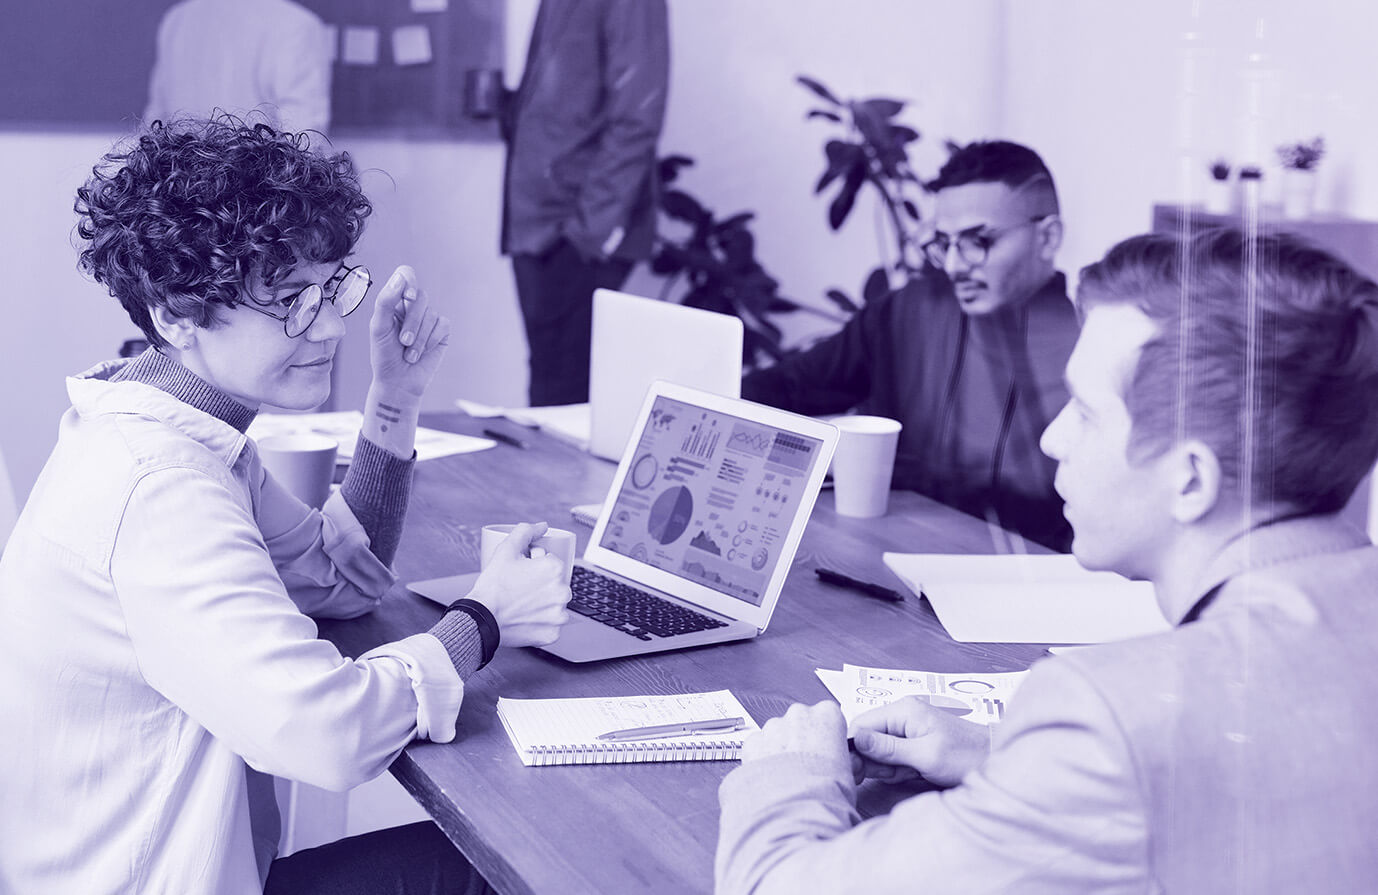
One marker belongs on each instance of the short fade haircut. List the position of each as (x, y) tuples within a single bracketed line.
[(192, 214), (1266, 350), (998, 161)]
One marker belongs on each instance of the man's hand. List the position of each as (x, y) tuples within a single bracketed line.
[(813, 729), (407, 338), (909, 738), (526, 594)]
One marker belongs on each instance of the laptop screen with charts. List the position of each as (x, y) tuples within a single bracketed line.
[(639, 340), (710, 500)]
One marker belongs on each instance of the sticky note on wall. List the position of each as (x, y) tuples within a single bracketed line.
[(411, 45), (360, 45)]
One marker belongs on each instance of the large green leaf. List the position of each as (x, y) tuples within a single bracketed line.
[(842, 203), (818, 89)]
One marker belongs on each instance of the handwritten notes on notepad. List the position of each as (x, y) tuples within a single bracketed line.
[(980, 697), (567, 731), (1021, 598)]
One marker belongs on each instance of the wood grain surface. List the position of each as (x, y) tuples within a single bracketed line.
[(641, 827)]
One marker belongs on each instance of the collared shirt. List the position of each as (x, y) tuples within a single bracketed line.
[(1234, 754), (154, 643)]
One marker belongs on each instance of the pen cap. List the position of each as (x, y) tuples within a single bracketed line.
[(556, 541)]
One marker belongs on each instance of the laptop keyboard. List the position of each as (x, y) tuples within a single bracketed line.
[(632, 610)]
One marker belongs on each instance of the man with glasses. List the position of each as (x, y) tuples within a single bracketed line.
[(1224, 408), (968, 356)]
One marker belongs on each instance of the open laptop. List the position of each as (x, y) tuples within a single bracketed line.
[(703, 519), (706, 510), (639, 340)]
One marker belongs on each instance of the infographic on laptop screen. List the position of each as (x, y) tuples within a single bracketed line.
[(710, 497)]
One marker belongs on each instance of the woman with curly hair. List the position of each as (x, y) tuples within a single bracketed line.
[(157, 651)]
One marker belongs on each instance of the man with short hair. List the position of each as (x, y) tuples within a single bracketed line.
[(969, 363), (1224, 405)]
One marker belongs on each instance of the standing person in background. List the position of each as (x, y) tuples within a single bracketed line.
[(579, 200), (242, 56)]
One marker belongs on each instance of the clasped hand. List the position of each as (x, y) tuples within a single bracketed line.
[(894, 743), (527, 594)]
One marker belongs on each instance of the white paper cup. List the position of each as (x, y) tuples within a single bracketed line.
[(863, 464), (304, 464), (556, 541)]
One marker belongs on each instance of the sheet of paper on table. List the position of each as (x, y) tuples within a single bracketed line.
[(567, 422), (980, 697), (344, 426), (1022, 598)]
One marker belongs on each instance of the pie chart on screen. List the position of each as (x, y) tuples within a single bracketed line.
[(670, 514)]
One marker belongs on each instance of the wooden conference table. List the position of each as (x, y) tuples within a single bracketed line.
[(581, 830)]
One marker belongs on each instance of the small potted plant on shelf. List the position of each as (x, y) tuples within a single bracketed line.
[(1299, 162), (1219, 189)]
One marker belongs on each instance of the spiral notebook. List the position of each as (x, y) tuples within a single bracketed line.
[(567, 731)]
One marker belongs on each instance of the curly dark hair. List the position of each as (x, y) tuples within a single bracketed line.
[(190, 214)]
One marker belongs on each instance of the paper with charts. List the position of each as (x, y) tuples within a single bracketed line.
[(566, 731), (1023, 598), (979, 697), (344, 426)]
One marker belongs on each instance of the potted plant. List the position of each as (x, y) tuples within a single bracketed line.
[(1219, 189), (871, 152), (715, 260), (1299, 162)]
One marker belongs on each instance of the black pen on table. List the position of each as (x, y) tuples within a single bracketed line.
[(880, 592), (505, 438)]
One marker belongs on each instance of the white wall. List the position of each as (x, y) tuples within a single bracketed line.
[(1101, 89), (56, 323)]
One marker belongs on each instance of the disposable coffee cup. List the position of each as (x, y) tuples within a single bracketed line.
[(304, 464), (556, 541), (863, 465)]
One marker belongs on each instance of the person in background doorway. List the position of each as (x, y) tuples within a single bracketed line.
[(268, 58), (580, 193)]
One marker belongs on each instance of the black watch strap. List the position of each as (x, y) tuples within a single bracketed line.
[(489, 633)]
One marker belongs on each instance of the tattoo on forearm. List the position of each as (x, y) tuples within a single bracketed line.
[(388, 414)]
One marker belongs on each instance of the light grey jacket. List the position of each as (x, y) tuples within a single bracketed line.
[(1237, 753)]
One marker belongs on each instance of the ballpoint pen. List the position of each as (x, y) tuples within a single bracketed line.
[(504, 438), (682, 728), (878, 591)]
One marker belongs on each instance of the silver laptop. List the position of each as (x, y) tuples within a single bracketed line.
[(704, 515), (639, 340)]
